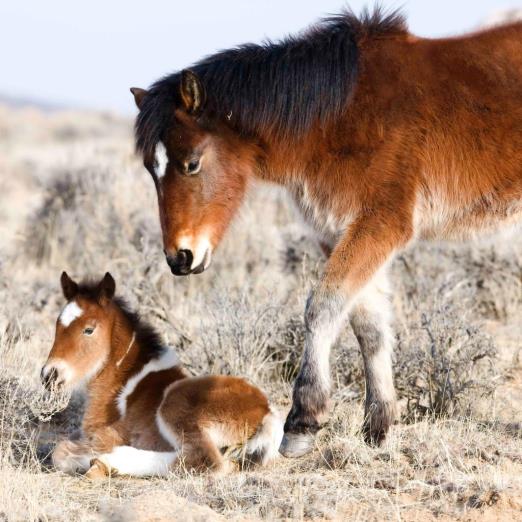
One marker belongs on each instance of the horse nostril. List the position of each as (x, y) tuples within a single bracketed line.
[(180, 263)]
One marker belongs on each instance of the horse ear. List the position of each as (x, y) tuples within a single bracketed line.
[(69, 287), (192, 92), (106, 288), (139, 95)]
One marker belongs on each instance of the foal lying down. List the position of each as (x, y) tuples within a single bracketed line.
[(144, 412)]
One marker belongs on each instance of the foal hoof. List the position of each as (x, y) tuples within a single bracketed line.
[(98, 470), (296, 445)]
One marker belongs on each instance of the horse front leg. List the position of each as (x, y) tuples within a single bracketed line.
[(324, 316), (366, 247)]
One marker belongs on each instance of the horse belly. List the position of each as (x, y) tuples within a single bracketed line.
[(439, 221)]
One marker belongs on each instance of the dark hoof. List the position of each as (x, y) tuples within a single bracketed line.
[(296, 445), (373, 438)]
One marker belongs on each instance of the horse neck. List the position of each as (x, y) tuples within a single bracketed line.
[(123, 362)]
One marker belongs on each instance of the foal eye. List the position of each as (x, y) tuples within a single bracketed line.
[(193, 166), (88, 331)]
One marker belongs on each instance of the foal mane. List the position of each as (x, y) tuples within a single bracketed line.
[(279, 88), (148, 339)]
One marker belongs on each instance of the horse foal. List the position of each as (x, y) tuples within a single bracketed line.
[(144, 413)]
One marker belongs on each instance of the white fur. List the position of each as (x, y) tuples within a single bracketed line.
[(436, 218), (375, 301), (128, 348), (127, 460), (318, 345), (219, 435), (168, 359), (165, 430), (200, 248), (71, 312), (201, 253), (268, 438), (160, 155), (323, 221)]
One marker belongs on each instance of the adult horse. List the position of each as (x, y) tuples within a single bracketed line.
[(382, 138)]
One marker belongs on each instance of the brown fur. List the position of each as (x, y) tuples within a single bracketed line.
[(189, 406), (428, 146)]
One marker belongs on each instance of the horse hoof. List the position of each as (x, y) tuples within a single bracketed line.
[(296, 445)]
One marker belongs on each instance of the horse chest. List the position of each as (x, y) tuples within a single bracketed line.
[(319, 216)]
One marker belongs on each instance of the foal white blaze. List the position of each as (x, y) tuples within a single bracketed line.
[(70, 312)]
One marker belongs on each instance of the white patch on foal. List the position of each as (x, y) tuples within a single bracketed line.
[(139, 463), (160, 155), (167, 360), (268, 437), (71, 312)]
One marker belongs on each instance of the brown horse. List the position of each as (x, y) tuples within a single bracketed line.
[(382, 138), (143, 411)]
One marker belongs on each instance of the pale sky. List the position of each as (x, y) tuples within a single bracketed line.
[(89, 53)]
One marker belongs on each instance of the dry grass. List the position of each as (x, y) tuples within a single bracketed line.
[(74, 197)]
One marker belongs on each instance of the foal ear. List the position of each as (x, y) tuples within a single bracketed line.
[(69, 287), (106, 288), (139, 95), (192, 92)]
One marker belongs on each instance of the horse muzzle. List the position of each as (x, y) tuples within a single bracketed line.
[(184, 262)]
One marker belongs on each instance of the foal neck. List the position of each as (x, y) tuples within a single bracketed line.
[(135, 347)]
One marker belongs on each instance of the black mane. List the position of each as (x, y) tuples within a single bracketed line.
[(149, 341), (280, 88)]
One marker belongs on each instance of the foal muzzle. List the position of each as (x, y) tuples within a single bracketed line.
[(49, 377)]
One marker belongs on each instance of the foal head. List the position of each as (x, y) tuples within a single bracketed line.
[(83, 333), (200, 169)]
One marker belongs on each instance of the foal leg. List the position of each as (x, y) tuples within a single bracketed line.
[(202, 454), (72, 456), (366, 246), (370, 319), (126, 460)]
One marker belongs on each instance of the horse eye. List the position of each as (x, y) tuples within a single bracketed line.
[(193, 166), (88, 331)]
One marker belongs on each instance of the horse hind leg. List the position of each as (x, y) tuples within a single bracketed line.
[(370, 320)]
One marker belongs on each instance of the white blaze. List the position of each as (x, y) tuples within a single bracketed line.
[(71, 312), (162, 160)]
